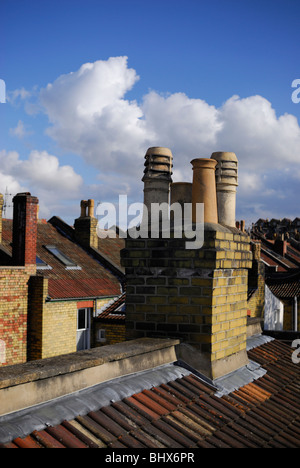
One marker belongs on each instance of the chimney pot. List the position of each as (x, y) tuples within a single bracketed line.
[(226, 184), (204, 189), (181, 192), (83, 205), (91, 205), (157, 176)]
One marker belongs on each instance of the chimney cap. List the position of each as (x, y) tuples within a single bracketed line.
[(205, 163), (24, 195), (159, 150), (224, 156)]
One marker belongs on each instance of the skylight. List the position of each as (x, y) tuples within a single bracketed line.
[(41, 265), (69, 264)]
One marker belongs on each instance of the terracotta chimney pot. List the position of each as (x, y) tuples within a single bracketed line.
[(204, 189), (91, 205)]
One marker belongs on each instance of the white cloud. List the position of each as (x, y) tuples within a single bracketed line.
[(90, 116), (21, 93), (20, 130), (40, 174)]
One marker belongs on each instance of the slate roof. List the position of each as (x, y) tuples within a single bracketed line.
[(89, 280), (171, 407)]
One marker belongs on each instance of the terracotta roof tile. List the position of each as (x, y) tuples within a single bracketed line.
[(115, 310), (185, 413), (285, 286), (91, 279)]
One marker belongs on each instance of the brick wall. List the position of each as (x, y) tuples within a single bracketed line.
[(257, 301), (288, 317), (86, 231), (13, 314), (256, 283), (52, 325), (60, 324), (199, 296), (114, 333)]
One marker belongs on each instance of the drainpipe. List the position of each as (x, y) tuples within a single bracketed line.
[(295, 314)]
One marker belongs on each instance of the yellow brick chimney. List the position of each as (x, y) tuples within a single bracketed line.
[(196, 295)]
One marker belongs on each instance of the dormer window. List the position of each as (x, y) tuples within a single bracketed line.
[(66, 261)]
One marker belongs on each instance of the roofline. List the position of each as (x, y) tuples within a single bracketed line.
[(80, 298), (286, 276)]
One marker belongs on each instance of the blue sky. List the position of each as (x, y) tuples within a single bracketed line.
[(92, 84)]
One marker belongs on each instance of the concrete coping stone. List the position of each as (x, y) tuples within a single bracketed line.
[(55, 366)]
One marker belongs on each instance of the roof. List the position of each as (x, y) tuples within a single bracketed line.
[(108, 248), (290, 260), (273, 258), (171, 407), (271, 261), (114, 310), (88, 279), (285, 286), (111, 248)]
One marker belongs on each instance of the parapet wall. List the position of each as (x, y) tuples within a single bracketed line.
[(35, 382)]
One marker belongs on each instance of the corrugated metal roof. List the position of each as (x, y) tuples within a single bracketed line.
[(185, 412)]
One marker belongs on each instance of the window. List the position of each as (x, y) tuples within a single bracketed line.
[(69, 264), (2, 352), (41, 265), (101, 336), (83, 328)]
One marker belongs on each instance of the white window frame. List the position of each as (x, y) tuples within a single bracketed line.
[(84, 334), (101, 336)]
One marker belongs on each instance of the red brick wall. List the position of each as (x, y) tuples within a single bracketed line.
[(13, 314)]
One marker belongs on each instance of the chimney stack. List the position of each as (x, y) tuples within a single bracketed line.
[(86, 225), (24, 229), (280, 246), (196, 295), (204, 189), (226, 184)]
